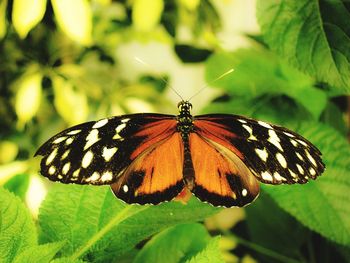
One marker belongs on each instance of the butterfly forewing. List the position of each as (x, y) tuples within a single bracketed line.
[(274, 154), (99, 152)]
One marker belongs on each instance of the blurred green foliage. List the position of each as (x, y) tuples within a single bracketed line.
[(61, 64)]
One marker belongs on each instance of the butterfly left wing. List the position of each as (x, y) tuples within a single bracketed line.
[(275, 155)]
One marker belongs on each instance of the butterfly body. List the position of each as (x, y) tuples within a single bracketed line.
[(151, 158)]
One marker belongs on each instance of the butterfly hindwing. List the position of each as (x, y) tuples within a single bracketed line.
[(220, 177), (155, 175), (274, 154), (99, 152)]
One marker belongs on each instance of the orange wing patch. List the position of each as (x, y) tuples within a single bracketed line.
[(155, 175), (221, 178)]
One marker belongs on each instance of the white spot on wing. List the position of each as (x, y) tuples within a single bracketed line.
[(275, 140), (278, 177), (87, 159), (107, 176), (125, 120), (294, 175), (244, 192), (60, 139), (312, 171), (73, 132), (65, 168), (266, 176), (280, 158), (302, 142), (76, 173), (294, 142), (250, 131), (264, 124), (288, 134), (299, 156), (65, 154), (125, 188), (51, 156), (52, 170), (262, 154), (69, 141), (91, 138), (118, 130), (94, 177), (300, 169), (100, 123), (242, 121), (312, 160), (107, 154)]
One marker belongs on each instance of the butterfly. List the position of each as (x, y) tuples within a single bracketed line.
[(149, 158)]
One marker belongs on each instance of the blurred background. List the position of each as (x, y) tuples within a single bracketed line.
[(66, 62)]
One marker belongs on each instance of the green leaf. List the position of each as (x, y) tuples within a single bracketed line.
[(75, 19), (100, 227), (146, 21), (26, 14), (18, 185), (39, 254), (258, 72), (322, 205), (269, 226), (181, 242), (3, 24), (17, 230), (67, 260), (312, 35), (210, 254)]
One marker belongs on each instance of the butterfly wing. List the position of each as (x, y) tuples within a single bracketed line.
[(126, 151), (275, 155), (220, 177)]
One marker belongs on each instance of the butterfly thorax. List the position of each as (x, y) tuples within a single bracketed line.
[(185, 119)]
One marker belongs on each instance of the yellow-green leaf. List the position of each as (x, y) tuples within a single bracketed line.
[(190, 4), (26, 14), (8, 151), (3, 5), (75, 19), (28, 96), (146, 14), (70, 104)]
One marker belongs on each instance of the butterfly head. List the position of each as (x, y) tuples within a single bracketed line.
[(184, 107)]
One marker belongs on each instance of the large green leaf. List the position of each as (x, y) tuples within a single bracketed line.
[(322, 205), (17, 230), (39, 253), (100, 227), (181, 242), (271, 227), (313, 35), (258, 72)]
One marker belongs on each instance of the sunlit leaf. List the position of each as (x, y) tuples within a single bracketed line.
[(146, 14), (190, 4), (258, 72), (3, 5), (210, 254), (28, 96), (8, 151), (26, 14), (17, 230), (69, 103), (18, 185), (322, 205), (312, 35), (181, 242), (75, 19), (100, 227), (39, 253)]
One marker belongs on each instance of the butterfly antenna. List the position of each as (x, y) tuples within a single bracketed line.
[(211, 82), (162, 78)]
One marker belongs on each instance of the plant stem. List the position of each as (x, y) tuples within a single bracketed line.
[(125, 213)]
